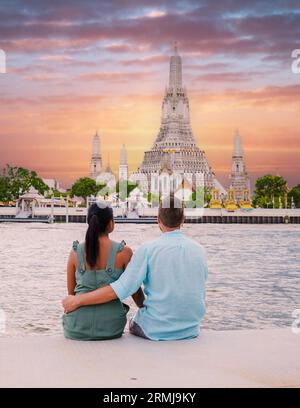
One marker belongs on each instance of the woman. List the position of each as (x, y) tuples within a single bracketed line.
[(97, 262)]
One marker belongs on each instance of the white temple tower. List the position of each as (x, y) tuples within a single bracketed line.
[(123, 166), (239, 178), (175, 143), (96, 161)]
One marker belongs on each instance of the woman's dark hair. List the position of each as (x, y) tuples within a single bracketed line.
[(98, 220)]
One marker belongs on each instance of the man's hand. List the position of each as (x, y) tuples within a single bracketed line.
[(139, 298), (70, 303)]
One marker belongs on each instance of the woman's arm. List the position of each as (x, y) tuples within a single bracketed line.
[(71, 269)]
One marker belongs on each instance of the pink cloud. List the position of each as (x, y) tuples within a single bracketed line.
[(269, 95), (147, 60), (226, 77), (115, 76)]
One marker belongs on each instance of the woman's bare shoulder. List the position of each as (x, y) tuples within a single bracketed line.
[(72, 260), (126, 253)]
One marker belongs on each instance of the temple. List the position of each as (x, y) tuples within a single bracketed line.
[(96, 161), (175, 151), (123, 166), (239, 178)]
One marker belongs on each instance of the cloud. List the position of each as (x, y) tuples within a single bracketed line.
[(44, 77), (119, 48), (213, 66), (154, 59), (220, 28), (124, 43), (226, 77), (115, 76), (37, 45), (57, 58), (156, 14), (288, 95)]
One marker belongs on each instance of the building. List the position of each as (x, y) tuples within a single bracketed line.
[(27, 202), (53, 185), (175, 147), (239, 179), (96, 161), (123, 165), (107, 177)]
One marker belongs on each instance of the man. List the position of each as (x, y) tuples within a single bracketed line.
[(173, 270)]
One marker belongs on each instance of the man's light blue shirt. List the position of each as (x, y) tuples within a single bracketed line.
[(173, 270)]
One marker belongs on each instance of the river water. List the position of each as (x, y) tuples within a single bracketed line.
[(254, 273)]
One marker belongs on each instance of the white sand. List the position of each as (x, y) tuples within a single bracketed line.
[(248, 358)]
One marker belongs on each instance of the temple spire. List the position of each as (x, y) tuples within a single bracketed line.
[(175, 48), (108, 167), (239, 178), (96, 145), (175, 147), (175, 77), (96, 160), (123, 155), (123, 167), (237, 146)]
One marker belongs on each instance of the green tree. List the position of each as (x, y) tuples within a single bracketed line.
[(270, 191), (84, 187), (16, 181), (56, 194), (295, 193), (4, 189), (59, 194), (38, 183)]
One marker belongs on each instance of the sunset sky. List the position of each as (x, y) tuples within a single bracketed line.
[(74, 67)]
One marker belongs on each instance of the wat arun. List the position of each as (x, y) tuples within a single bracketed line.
[(175, 149)]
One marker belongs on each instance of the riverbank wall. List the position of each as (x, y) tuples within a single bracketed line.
[(148, 215)]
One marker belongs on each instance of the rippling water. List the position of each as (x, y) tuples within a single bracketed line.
[(254, 273)]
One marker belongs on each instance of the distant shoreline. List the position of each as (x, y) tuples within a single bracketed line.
[(148, 215)]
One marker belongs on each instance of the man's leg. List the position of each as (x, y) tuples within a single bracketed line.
[(135, 329)]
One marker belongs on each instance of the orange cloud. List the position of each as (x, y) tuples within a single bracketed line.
[(115, 76)]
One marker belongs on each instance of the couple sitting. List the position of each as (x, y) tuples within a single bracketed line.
[(101, 273)]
